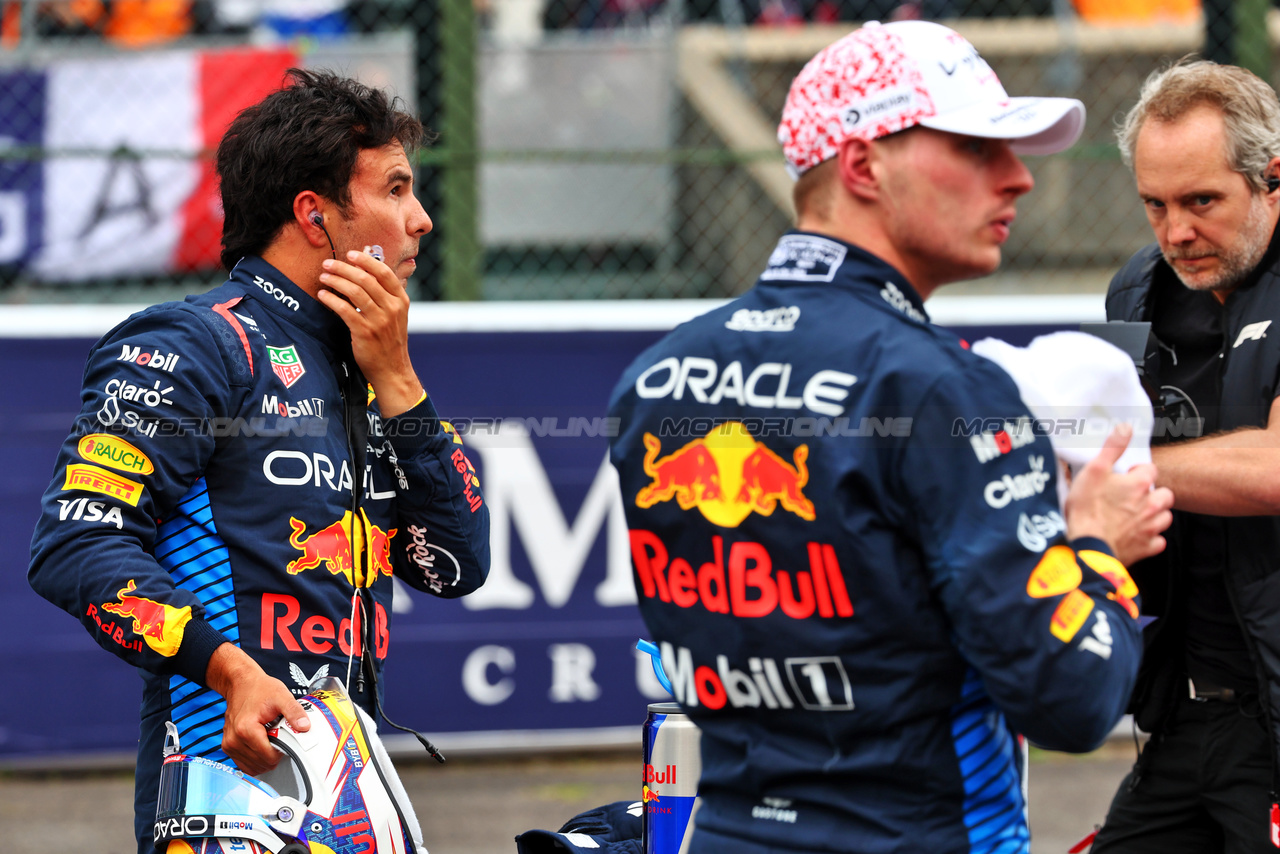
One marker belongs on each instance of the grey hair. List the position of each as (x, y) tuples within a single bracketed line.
[(1250, 110)]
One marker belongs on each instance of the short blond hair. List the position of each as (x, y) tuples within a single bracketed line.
[(1250, 111), (813, 191)]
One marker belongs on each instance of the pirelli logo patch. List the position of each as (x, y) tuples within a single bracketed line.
[(94, 479), (1072, 611)]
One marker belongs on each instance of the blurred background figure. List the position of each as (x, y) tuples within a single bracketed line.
[(128, 23), (284, 19)]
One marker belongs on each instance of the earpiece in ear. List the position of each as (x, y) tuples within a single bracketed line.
[(1273, 183), (317, 218)]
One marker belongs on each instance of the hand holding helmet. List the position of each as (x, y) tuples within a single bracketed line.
[(336, 791)]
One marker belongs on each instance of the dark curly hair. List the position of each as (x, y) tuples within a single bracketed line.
[(305, 136)]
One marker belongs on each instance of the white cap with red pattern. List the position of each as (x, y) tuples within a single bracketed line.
[(884, 78)]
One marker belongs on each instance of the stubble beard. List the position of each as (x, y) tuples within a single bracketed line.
[(1235, 262)]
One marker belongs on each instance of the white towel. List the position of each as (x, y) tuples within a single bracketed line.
[(1078, 388)]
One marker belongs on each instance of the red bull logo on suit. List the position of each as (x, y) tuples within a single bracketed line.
[(728, 475), (160, 625), (332, 547), (747, 584)]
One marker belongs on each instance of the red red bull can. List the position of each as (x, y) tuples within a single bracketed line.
[(672, 766)]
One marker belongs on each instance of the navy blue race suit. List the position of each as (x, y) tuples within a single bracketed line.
[(847, 542), (207, 494)]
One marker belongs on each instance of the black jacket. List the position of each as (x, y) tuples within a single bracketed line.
[(1250, 371)]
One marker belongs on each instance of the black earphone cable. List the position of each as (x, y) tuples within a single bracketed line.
[(318, 219)]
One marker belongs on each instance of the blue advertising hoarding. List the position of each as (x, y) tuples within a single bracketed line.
[(544, 654)]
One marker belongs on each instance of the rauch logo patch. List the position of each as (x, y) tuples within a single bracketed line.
[(114, 452)]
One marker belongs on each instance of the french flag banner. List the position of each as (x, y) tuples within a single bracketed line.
[(128, 187)]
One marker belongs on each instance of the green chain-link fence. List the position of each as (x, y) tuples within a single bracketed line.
[(587, 148)]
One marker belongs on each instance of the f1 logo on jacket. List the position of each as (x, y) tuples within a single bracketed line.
[(1252, 332)]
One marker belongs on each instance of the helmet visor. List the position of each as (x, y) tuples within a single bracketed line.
[(190, 785)]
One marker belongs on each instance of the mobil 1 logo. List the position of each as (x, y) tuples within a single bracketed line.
[(820, 683)]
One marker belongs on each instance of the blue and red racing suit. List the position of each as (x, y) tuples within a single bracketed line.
[(207, 494), (847, 543)]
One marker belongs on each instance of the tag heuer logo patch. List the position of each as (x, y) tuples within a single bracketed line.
[(286, 364)]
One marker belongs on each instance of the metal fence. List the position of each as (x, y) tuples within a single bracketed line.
[(587, 148)]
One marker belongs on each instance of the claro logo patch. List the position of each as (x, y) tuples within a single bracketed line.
[(999, 493), (114, 452)]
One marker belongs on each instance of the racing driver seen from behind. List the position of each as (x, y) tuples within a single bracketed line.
[(861, 599)]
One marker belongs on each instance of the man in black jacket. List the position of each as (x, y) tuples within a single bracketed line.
[(1204, 145)]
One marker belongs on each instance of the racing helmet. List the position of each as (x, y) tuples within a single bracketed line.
[(334, 792)]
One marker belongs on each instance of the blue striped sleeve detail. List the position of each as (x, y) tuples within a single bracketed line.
[(987, 754), (189, 548), (198, 713)]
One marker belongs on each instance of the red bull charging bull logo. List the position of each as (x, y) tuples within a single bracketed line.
[(727, 475), (332, 547), (160, 625)]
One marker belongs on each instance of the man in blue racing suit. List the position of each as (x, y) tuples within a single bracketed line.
[(251, 466), (844, 526)]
